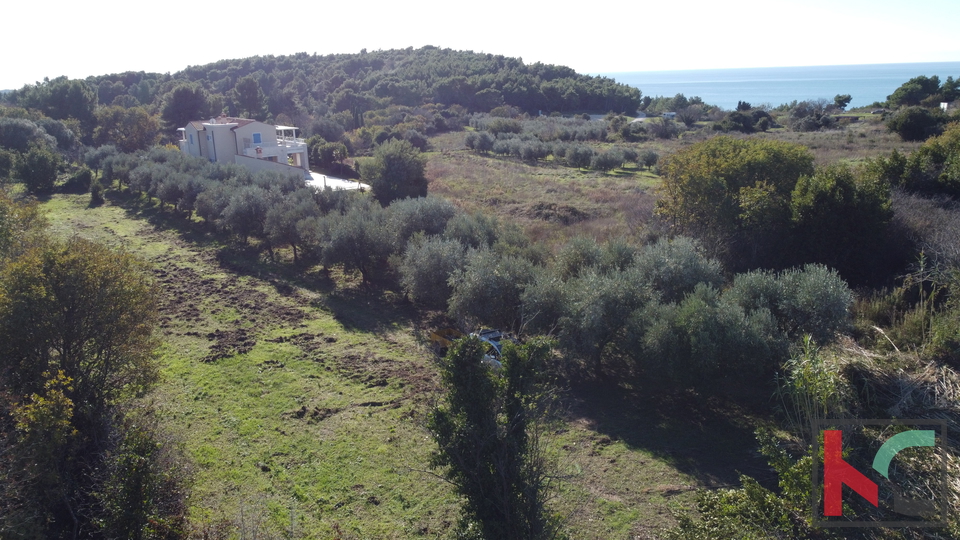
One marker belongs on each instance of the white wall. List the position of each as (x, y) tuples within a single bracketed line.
[(256, 165), (222, 142), (267, 133)]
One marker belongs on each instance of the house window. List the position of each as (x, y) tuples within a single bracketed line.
[(191, 139), (257, 139)]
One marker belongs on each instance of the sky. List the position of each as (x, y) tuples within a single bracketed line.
[(98, 37)]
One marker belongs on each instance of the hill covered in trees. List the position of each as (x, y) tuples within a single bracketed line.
[(304, 88)]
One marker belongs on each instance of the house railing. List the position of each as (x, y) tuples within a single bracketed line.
[(282, 141)]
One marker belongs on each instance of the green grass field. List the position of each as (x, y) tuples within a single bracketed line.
[(300, 397)]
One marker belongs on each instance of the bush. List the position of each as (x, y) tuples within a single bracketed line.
[(426, 268), (576, 256), (37, 169), (79, 181), (597, 308), (96, 193), (145, 485), (396, 171), (811, 389), (488, 429), (811, 301), (734, 195), (840, 219), (707, 342), (20, 134), (607, 161), (487, 291), (673, 268), (360, 240), (649, 158), (7, 159), (472, 230), (504, 125), (579, 156), (916, 123), (816, 301), (427, 215)]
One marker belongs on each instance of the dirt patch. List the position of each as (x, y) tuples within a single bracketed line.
[(312, 415), (418, 382), (229, 343), (555, 213)]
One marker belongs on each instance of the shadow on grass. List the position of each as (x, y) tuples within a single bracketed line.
[(247, 259), (138, 206), (709, 439), (369, 310)]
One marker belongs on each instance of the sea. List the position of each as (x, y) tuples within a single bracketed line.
[(866, 83)]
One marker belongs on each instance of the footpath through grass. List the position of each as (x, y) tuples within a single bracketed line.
[(301, 400)]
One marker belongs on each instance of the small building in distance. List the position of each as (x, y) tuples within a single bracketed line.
[(255, 145)]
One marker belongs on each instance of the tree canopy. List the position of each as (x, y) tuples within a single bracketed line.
[(396, 171)]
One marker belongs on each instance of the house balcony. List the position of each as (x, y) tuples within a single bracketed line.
[(280, 153), (289, 142)]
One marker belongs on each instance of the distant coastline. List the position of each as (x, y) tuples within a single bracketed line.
[(866, 83)]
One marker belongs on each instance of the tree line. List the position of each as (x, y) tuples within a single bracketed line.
[(303, 89), (77, 342)]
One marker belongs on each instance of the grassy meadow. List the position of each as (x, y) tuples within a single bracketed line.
[(300, 397)]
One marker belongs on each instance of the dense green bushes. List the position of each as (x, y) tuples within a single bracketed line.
[(917, 123), (76, 343), (762, 204)]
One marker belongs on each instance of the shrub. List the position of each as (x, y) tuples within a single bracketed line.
[(37, 169), (504, 125), (916, 123), (816, 302), (472, 230), (840, 219), (396, 171), (597, 308), (79, 181), (811, 301), (706, 339), (359, 240), (674, 268), (607, 161), (487, 291), (96, 193), (145, 486), (810, 389), (649, 158), (576, 256), (426, 268), (428, 215), (487, 429), (579, 156)]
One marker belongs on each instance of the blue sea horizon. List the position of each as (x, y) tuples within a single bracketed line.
[(866, 83)]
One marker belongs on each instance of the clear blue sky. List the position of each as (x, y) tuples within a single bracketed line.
[(79, 39)]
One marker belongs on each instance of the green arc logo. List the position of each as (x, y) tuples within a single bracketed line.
[(901, 441)]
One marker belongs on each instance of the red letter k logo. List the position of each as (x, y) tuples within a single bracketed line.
[(837, 472)]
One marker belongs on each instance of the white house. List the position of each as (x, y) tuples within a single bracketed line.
[(254, 144)]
